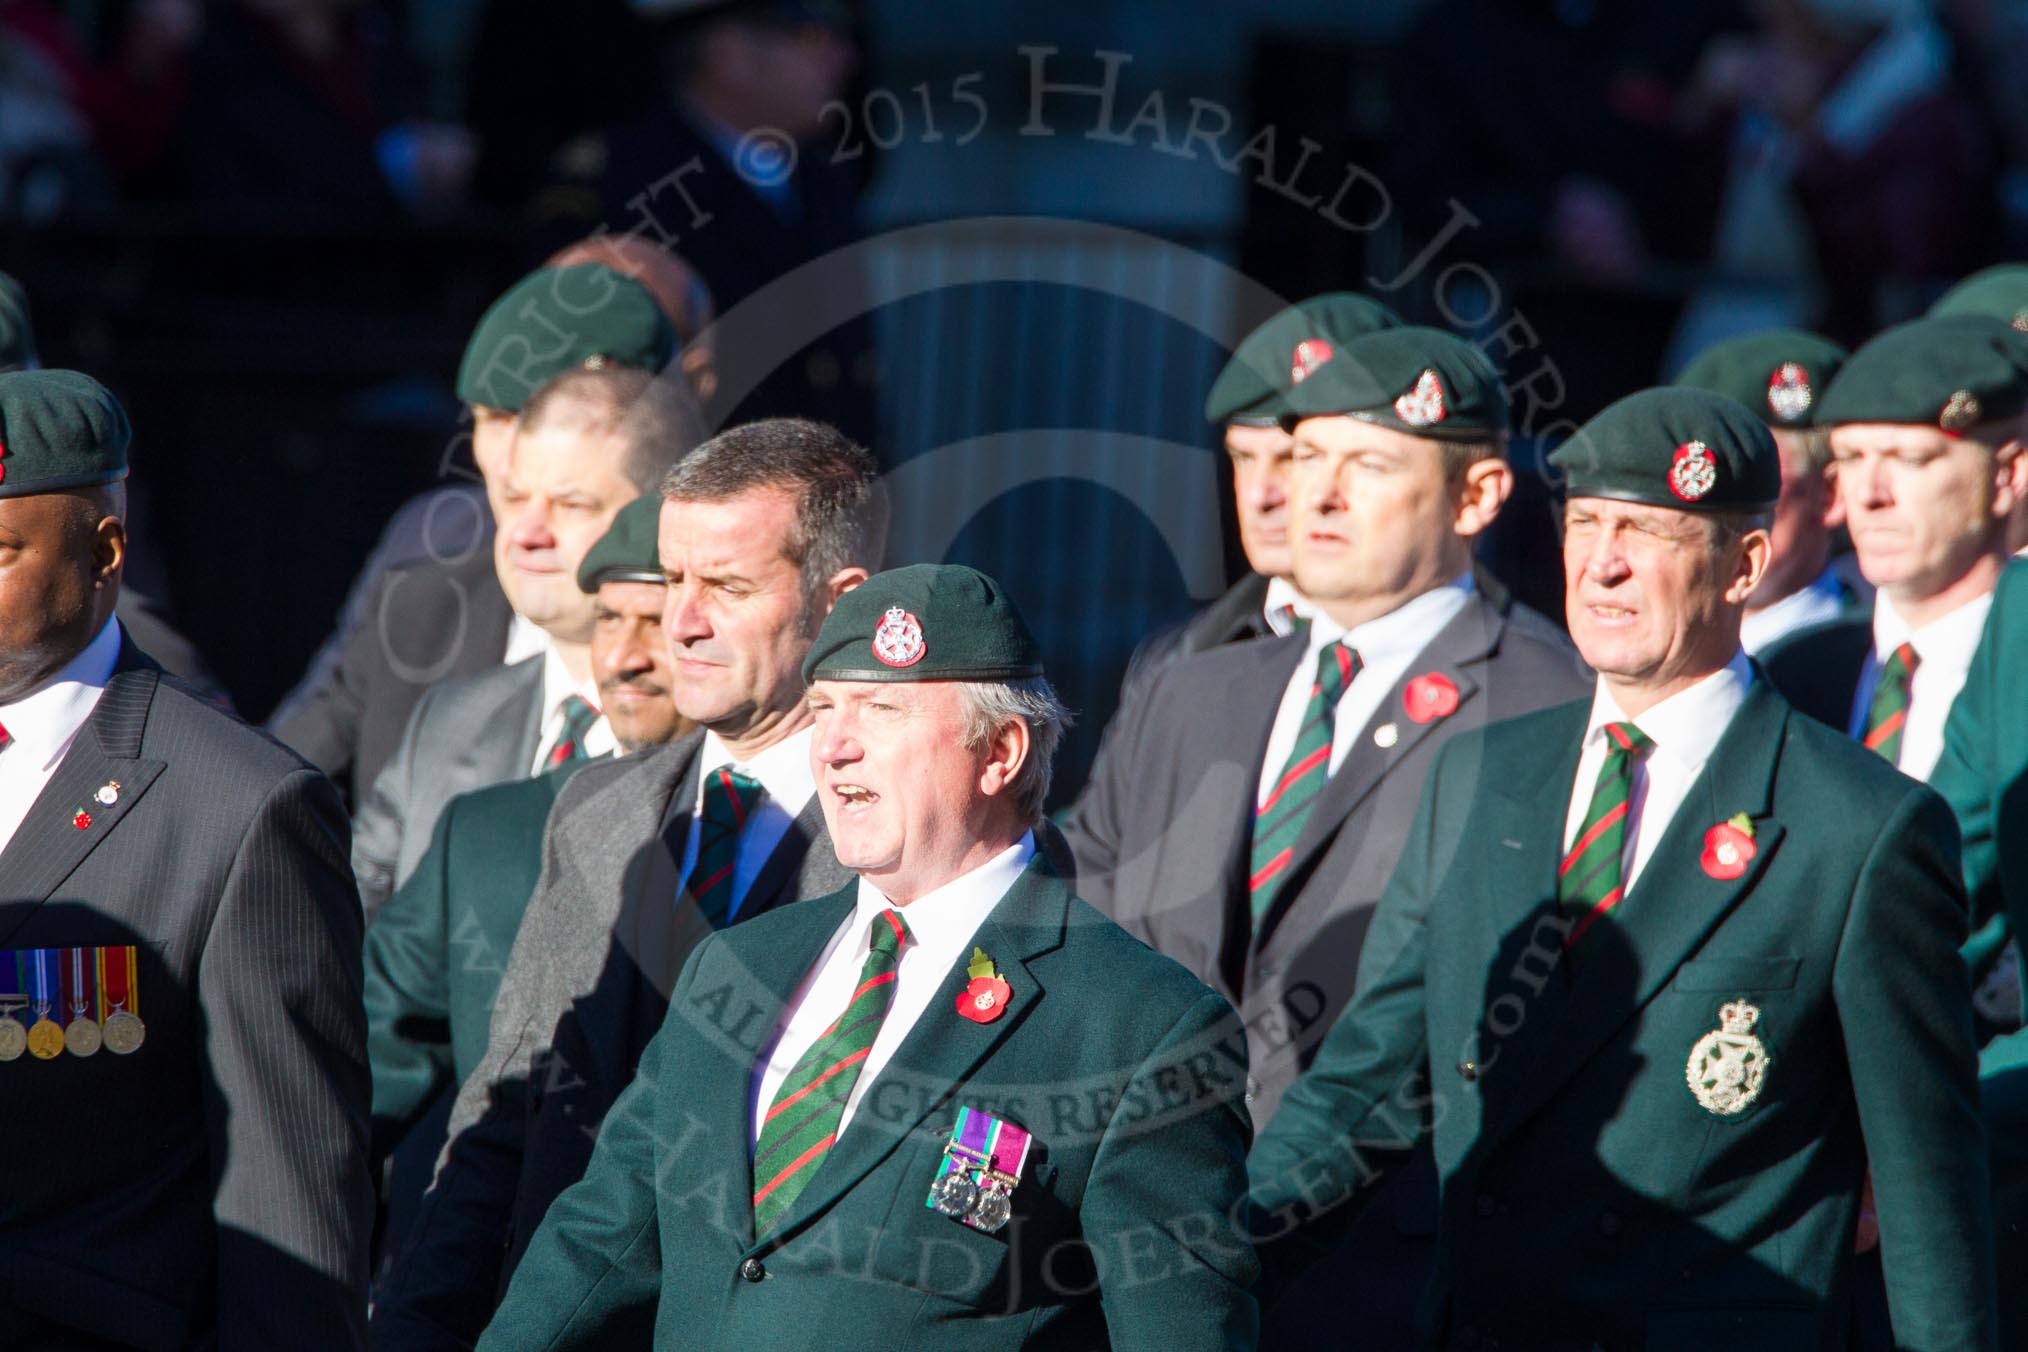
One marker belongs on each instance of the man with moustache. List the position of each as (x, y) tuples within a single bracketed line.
[(435, 953), (589, 443), (760, 531), (964, 1109), (1665, 965), (1781, 376)]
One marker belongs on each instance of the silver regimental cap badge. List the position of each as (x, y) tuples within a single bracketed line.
[(1729, 1065)]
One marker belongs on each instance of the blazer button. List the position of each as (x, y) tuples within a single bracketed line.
[(1486, 1207), (752, 1270), (1468, 1071), (1609, 1224)]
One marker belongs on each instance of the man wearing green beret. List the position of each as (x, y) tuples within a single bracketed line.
[(1666, 967), (1251, 845), (1999, 292), (950, 1104), (435, 952), (416, 618), (1781, 375), (179, 958)]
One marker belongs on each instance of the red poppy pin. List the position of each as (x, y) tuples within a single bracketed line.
[(985, 998), (1429, 697), (1728, 848)]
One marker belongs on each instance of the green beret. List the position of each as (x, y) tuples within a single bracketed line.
[(59, 430), (555, 320), (1425, 382), (1674, 447), (627, 552), (925, 622), (1950, 373), (1779, 375), (17, 331), (1270, 360), (1999, 292)]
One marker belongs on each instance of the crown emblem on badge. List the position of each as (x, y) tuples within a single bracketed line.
[(1422, 406), (1309, 355), (1960, 411), (1788, 391), (898, 640), (1737, 1016), (1694, 471)]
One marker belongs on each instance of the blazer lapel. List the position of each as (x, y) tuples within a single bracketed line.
[(943, 1050), (650, 926), (50, 844), (1671, 910), (775, 884), (1455, 652)]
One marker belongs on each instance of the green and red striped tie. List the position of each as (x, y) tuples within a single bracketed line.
[(729, 799), (578, 717), (1888, 714), (1278, 821), (1588, 884), (802, 1122)]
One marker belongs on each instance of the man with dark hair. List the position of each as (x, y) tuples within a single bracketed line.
[(1661, 969), (890, 1152), (179, 990), (761, 529), (588, 443)]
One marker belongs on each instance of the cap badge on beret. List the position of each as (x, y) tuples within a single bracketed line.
[(1788, 391), (898, 640), (1694, 472), (1960, 411), (1422, 406), (1309, 355)]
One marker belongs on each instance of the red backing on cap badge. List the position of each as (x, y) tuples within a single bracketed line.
[(1429, 697), (898, 640), (1423, 406), (1309, 355), (1695, 471)]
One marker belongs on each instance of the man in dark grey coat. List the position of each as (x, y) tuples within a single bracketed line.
[(182, 1047), (762, 529)]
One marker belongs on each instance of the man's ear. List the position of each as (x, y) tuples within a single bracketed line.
[(842, 581), (1484, 491), (2010, 476), (109, 552), (1006, 753), (1756, 551)]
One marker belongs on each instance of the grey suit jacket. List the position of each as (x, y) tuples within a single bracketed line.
[(1162, 832), (586, 987), (210, 1188), (463, 735)]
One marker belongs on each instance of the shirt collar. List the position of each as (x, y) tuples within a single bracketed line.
[(1282, 593), (948, 916), (525, 639), (1404, 631), (782, 769), (557, 685), (1950, 640), (43, 724), (1686, 726)]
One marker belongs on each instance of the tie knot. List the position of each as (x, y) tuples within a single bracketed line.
[(1625, 737), (1901, 663), (1337, 664), (889, 933), (729, 794)]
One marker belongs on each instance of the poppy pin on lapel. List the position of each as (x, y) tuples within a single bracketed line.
[(1429, 697), (985, 997), (1728, 848)]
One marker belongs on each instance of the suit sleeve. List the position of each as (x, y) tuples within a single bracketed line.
[(285, 1049), (1093, 828), (320, 718), (1162, 1194), (408, 1034), (380, 816), (1905, 1009), (593, 1271)]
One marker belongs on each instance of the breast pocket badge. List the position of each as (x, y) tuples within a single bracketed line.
[(980, 1169), (1728, 1066)]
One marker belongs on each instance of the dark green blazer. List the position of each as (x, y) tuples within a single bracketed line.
[(1817, 669), (1588, 1196), (436, 951), (1124, 1067)]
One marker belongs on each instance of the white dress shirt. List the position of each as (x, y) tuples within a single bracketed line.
[(1282, 597), (557, 686), (1387, 648), (787, 786), (940, 928), (525, 639), (1944, 649), (1684, 728), (41, 726), (1818, 603)]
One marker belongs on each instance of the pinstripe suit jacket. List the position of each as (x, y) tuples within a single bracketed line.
[(209, 1189)]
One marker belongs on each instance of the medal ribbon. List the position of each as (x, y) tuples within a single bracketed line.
[(42, 960), (119, 984), (81, 999)]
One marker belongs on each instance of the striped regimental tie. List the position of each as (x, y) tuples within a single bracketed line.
[(729, 799), (802, 1122), (1588, 883), (1292, 624), (578, 717), (1888, 714), (1278, 821)]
